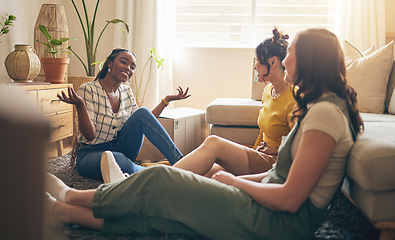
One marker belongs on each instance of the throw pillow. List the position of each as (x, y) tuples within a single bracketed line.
[(368, 75), (350, 52), (369, 51)]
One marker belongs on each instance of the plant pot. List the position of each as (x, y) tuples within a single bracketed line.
[(22, 65), (55, 69)]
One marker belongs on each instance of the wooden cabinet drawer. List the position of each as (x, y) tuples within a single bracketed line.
[(61, 125), (33, 96), (50, 103), (60, 114)]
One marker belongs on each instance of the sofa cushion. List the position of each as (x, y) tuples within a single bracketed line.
[(233, 112), (239, 134), (377, 206), (368, 75), (372, 159), (351, 52)]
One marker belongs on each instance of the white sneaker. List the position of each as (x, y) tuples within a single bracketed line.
[(110, 170)]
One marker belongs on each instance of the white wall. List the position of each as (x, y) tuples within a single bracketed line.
[(213, 73), (390, 16)]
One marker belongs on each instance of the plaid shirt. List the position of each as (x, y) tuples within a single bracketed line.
[(106, 122)]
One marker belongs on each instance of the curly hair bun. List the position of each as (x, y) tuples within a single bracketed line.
[(279, 37), (276, 34), (284, 36)]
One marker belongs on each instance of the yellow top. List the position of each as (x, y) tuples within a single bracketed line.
[(274, 119)]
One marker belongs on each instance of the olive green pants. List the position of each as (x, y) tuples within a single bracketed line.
[(171, 200)]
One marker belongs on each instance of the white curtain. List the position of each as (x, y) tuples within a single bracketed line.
[(151, 24), (361, 22)]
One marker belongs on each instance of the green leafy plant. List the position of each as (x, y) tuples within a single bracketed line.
[(53, 45), (6, 24), (89, 35), (137, 83)]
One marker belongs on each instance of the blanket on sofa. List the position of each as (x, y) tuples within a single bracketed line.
[(345, 221)]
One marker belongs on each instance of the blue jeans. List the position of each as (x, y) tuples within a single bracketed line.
[(127, 145)]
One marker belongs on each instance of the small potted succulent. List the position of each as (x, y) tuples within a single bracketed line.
[(54, 68)]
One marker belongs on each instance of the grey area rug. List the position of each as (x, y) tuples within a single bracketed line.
[(345, 221)]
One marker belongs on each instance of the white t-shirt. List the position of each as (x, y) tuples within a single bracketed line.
[(328, 118)]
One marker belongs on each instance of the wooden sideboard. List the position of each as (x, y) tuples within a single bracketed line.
[(59, 113)]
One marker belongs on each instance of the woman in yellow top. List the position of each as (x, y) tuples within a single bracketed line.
[(274, 121)]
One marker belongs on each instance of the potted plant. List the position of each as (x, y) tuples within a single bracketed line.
[(54, 68), (91, 44)]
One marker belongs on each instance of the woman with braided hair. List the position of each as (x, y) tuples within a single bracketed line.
[(110, 123)]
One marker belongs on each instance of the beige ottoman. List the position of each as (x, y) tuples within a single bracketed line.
[(234, 119)]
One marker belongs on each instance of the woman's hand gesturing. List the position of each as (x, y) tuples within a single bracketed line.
[(71, 97), (181, 94)]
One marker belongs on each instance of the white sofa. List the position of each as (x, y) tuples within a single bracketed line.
[(370, 181)]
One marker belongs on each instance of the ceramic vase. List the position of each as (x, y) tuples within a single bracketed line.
[(22, 65)]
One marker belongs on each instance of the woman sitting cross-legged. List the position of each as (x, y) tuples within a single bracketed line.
[(110, 122), (290, 201)]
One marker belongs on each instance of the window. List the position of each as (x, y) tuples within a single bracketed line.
[(245, 23)]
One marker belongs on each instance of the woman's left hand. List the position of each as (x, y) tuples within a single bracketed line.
[(224, 177), (181, 94)]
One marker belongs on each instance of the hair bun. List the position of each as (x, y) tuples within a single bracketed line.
[(279, 37), (276, 34), (284, 37)]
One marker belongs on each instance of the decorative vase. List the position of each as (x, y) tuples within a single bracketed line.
[(22, 65), (53, 16), (55, 69)]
